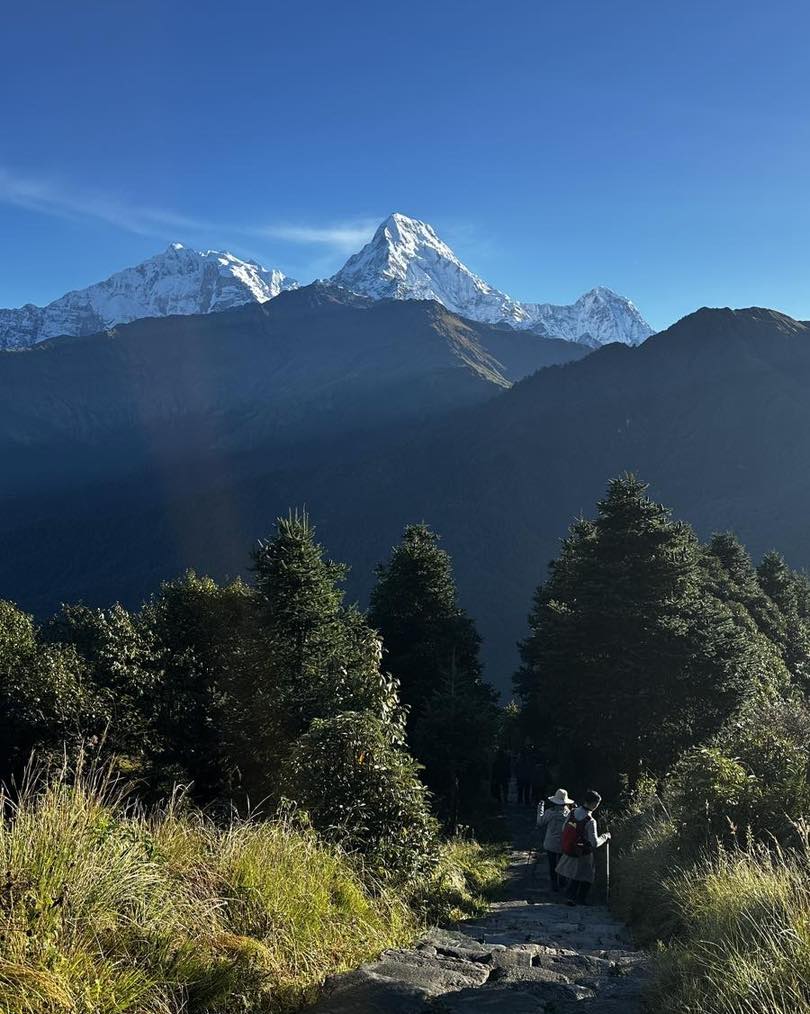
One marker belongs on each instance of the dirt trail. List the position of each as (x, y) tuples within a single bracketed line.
[(528, 955)]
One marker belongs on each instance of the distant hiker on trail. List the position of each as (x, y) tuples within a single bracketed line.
[(523, 772), (579, 842), (501, 775), (552, 821), (539, 779)]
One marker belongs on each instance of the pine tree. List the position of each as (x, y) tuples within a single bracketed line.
[(313, 657), (630, 657), (789, 592), (425, 632), (432, 648)]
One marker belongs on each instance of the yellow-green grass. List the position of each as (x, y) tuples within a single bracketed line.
[(467, 877), (745, 944), (106, 908)]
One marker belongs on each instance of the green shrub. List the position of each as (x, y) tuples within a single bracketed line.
[(362, 790)]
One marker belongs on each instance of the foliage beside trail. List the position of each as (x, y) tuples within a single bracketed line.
[(691, 668), (106, 908), (715, 869)]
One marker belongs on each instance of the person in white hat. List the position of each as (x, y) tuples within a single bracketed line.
[(552, 821)]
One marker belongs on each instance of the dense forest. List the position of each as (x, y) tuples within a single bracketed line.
[(224, 748), (675, 675)]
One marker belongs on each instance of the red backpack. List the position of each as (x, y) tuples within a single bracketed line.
[(574, 843)]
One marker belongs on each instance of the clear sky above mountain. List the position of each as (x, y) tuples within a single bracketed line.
[(659, 149)]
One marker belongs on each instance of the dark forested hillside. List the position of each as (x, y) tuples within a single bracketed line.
[(712, 412), (315, 361)]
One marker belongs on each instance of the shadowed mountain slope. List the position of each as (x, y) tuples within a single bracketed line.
[(713, 413)]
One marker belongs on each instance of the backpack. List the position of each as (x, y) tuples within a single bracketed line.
[(573, 842)]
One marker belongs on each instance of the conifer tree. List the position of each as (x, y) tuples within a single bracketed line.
[(432, 649), (789, 591), (630, 657), (314, 658), (415, 608)]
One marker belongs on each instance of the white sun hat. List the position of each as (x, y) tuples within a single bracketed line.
[(560, 797)]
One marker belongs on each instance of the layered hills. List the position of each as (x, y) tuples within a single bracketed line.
[(712, 412)]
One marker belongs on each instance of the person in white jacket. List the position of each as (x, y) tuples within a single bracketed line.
[(580, 868), (551, 823)]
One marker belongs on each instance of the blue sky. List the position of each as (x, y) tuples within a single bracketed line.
[(662, 149)]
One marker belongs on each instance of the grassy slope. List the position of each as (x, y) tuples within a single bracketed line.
[(107, 909), (735, 926)]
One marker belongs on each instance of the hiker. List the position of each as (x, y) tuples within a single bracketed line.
[(501, 775), (552, 822), (523, 772), (579, 842), (539, 779)]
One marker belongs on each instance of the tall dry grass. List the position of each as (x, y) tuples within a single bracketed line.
[(105, 908), (745, 943)]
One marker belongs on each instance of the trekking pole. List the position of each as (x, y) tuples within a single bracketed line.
[(607, 872)]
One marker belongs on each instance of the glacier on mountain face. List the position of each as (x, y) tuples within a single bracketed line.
[(177, 281)]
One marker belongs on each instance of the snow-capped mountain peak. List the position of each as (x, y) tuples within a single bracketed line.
[(406, 259), (598, 317), (178, 281)]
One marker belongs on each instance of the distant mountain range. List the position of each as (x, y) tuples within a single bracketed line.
[(165, 444), (404, 260)]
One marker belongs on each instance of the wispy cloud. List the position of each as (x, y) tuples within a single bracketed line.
[(345, 237), (51, 197)]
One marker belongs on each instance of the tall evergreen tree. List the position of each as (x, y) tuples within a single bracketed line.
[(432, 648), (789, 591), (426, 634), (630, 657), (313, 656)]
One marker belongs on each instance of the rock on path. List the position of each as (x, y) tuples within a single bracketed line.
[(528, 955)]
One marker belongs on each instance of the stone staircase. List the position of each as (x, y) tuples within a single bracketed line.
[(529, 955)]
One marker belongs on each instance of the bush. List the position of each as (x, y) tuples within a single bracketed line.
[(745, 948), (105, 909), (362, 790)]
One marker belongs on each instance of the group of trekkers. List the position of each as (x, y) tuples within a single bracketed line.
[(567, 830), (570, 838)]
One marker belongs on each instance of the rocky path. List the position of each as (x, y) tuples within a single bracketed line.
[(528, 955)]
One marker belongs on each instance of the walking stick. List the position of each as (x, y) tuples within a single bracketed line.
[(607, 872)]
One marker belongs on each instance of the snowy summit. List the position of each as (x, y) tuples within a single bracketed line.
[(177, 281), (405, 259)]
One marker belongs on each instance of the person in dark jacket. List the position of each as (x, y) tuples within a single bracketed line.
[(501, 776), (523, 773)]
